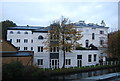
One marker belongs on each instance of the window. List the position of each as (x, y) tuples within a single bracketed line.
[(101, 42), (57, 49), (18, 40), (51, 49), (87, 43), (95, 57), (40, 49), (32, 41), (79, 56), (54, 49), (25, 48), (54, 36), (93, 36), (89, 58), (18, 48), (40, 37), (40, 61), (25, 40), (11, 40), (11, 32), (101, 32), (67, 49), (26, 32), (68, 61), (31, 48), (18, 32)]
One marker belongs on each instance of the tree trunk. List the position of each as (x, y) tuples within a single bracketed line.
[(63, 51), (63, 58)]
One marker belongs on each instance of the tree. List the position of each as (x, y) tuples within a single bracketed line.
[(113, 44), (3, 27), (63, 35)]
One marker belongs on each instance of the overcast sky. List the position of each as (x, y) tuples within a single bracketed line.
[(43, 13)]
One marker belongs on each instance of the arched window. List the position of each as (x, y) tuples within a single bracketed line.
[(26, 32), (87, 43), (40, 37), (11, 32), (18, 32)]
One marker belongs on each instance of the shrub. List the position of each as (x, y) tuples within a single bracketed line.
[(12, 70)]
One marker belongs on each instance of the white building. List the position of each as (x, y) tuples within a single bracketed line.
[(28, 38)]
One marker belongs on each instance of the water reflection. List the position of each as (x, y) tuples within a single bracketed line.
[(79, 76)]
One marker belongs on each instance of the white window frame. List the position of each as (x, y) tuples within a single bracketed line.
[(67, 61), (25, 40), (18, 40), (40, 61), (89, 59), (40, 48), (25, 48)]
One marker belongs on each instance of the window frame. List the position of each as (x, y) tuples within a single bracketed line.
[(25, 32), (18, 32), (95, 57), (18, 41), (40, 37), (11, 32), (101, 42), (39, 61), (31, 48), (31, 40), (67, 61), (25, 48), (93, 36), (25, 40), (40, 49), (101, 32), (89, 58)]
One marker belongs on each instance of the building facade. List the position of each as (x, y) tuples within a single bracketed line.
[(28, 38)]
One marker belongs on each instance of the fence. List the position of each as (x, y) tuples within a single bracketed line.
[(109, 63)]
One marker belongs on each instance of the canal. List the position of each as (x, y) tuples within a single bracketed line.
[(80, 76)]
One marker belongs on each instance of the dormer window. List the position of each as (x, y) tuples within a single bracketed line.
[(18, 32), (26, 32), (11, 32), (40, 37)]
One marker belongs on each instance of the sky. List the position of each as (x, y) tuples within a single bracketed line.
[(44, 13)]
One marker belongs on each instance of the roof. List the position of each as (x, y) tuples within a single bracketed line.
[(6, 46), (46, 29), (83, 24), (25, 27), (33, 28), (17, 54)]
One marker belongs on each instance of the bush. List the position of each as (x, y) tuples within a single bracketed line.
[(13, 70), (81, 48)]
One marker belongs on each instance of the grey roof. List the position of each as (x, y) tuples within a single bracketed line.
[(46, 29), (25, 27), (16, 54), (33, 28), (88, 25)]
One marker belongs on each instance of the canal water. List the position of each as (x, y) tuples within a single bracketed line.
[(79, 76)]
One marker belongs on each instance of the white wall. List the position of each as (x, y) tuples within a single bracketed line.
[(84, 53), (45, 55), (87, 34)]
